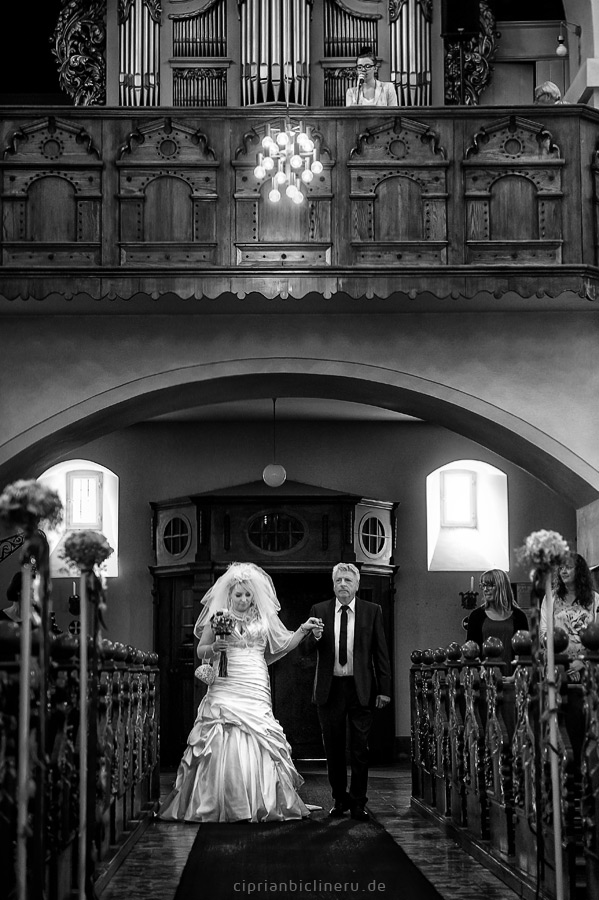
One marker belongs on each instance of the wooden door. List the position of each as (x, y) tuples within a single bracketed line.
[(180, 692), (292, 678)]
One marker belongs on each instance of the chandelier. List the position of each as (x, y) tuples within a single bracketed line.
[(289, 158)]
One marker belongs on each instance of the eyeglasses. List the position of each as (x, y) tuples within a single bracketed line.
[(487, 585), (365, 68)]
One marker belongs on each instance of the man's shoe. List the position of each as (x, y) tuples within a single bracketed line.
[(358, 812), (340, 807)]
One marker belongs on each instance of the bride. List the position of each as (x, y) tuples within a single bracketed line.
[(237, 765)]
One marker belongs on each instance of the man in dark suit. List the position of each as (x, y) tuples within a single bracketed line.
[(353, 676)]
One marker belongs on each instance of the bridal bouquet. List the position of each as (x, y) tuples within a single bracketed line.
[(222, 625)]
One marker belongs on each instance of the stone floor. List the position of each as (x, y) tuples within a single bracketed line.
[(152, 869)]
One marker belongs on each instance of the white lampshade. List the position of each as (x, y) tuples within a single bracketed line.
[(561, 49), (274, 475)]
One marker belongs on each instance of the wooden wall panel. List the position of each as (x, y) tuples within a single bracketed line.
[(396, 169), (516, 166), (51, 195)]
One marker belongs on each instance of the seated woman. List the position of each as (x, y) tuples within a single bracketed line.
[(237, 765), (498, 616), (369, 91), (575, 605)]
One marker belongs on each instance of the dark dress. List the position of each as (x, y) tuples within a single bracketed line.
[(480, 627)]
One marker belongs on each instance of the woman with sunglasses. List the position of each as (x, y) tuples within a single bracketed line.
[(369, 91), (498, 616), (575, 605)]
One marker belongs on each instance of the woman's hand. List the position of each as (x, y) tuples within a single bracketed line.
[(219, 644), (314, 625), (574, 672)]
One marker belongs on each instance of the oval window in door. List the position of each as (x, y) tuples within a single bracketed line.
[(276, 532)]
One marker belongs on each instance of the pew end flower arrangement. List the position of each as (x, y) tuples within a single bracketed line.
[(85, 551), (542, 552), (24, 506)]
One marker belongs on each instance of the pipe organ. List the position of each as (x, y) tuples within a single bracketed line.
[(210, 53), (139, 52)]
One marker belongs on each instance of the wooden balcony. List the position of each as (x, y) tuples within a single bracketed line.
[(446, 202)]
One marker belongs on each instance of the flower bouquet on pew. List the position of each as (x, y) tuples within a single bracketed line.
[(222, 625)]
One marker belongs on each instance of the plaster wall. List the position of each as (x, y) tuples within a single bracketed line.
[(386, 461), (535, 375)]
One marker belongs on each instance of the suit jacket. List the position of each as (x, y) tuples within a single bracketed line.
[(372, 670)]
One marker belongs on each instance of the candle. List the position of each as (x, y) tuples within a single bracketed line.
[(472, 583), (74, 588)]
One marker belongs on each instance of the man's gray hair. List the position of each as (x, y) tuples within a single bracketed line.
[(346, 567)]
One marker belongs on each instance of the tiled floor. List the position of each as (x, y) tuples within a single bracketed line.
[(153, 868)]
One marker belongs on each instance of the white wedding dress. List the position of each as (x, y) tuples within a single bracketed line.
[(237, 765)]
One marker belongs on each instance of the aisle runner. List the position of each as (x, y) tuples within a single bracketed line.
[(314, 859)]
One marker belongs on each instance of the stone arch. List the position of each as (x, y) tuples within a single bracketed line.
[(497, 429)]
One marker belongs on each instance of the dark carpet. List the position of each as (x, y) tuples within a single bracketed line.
[(313, 859)]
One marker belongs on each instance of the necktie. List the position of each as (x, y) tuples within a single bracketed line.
[(343, 637)]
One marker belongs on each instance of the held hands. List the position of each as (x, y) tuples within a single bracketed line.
[(574, 672), (314, 625)]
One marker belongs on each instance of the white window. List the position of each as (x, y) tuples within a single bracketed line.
[(84, 500), (467, 517), (458, 498), (90, 497)]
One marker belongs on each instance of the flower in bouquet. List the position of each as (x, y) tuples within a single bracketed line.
[(542, 551), (86, 549), (24, 504), (222, 623)]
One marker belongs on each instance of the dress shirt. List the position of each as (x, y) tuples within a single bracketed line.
[(348, 668)]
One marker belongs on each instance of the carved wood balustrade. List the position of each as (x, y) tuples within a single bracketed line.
[(497, 776), (411, 201), (125, 749)]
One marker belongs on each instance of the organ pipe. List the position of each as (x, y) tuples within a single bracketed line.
[(275, 51), (410, 33), (139, 52)]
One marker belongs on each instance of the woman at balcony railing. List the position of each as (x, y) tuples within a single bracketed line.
[(369, 91), (575, 606), (498, 617)]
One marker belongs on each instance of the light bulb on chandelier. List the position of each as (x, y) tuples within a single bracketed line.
[(289, 156)]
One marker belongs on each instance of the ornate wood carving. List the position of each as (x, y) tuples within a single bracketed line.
[(51, 164), (513, 194), (398, 193), (8, 545), (167, 196), (441, 765), (474, 737), (468, 67), (281, 233), (497, 762), (590, 774), (80, 48)]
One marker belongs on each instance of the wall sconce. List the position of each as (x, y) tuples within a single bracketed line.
[(561, 50)]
